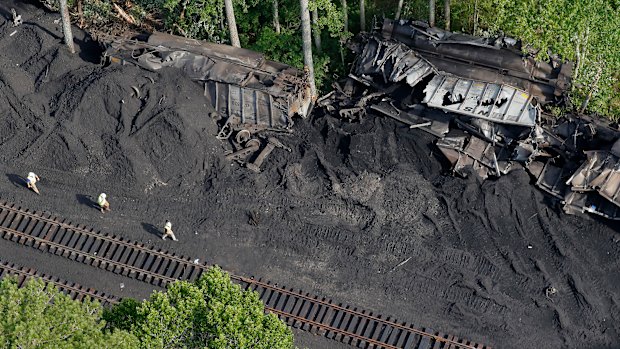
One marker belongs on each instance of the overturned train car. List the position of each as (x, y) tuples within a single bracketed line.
[(248, 91), (482, 98), (497, 60)]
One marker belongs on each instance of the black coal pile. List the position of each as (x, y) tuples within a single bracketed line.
[(124, 124), (361, 213)]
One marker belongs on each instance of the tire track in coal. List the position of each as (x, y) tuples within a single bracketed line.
[(340, 241), (314, 235), (576, 288), (311, 237), (160, 267), (447, 286), (488, 262), (432, 284)]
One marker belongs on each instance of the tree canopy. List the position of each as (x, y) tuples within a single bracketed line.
[(211, 313), (40, 316)]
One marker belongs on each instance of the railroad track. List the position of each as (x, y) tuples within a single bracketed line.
[(74, 290), (159, 267)]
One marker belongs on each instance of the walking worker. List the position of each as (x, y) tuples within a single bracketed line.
[(168, 231), (104, 205), (31, 182)]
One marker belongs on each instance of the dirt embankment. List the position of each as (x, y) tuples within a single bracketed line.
[(337, 215)]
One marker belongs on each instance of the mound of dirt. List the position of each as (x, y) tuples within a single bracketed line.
[(358, 212)]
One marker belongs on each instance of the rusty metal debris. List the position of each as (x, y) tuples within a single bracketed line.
[(249, 147), (249, 93), (550, 178), (474, 153), (582, 181), (482, 98), (600, 172), (17, 19), (437, 125), (550, 292), (272, 143)]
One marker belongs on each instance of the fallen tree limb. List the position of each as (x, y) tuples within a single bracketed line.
[(128, 18)]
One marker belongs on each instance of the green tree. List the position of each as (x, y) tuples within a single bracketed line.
[(40, 316), (211, 313), (586, 32), (196, 19)]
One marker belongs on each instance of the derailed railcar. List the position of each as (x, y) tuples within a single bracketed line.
[(248, 91), (490, 59), (483, 99)]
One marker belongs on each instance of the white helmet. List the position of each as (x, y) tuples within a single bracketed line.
[(103, 195)]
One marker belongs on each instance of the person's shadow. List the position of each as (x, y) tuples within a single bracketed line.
[(151, 229), (16, 180), (86, 200)]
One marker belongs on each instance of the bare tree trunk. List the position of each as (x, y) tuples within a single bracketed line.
[(66, 25), (362, 16), (399, 9), (345, 18), (276, 17), (316, 32), (446, 4), (232, 23), (307, 44), (431, 12), (592, 88), (80, 14), (346, 15), (475, 17), (582, 44)]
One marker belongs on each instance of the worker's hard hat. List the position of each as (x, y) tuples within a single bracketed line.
[(103, 195)]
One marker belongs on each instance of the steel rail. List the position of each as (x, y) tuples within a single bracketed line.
[(336, 330), (78, 290), (12, 270), (104, 262), (351, 311), (61, 247), (100, 236)]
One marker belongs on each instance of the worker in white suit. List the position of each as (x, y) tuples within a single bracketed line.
[(168, 231), (31, 182), (103, 203)]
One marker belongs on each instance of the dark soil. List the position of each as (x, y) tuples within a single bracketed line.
[(335, 217)]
